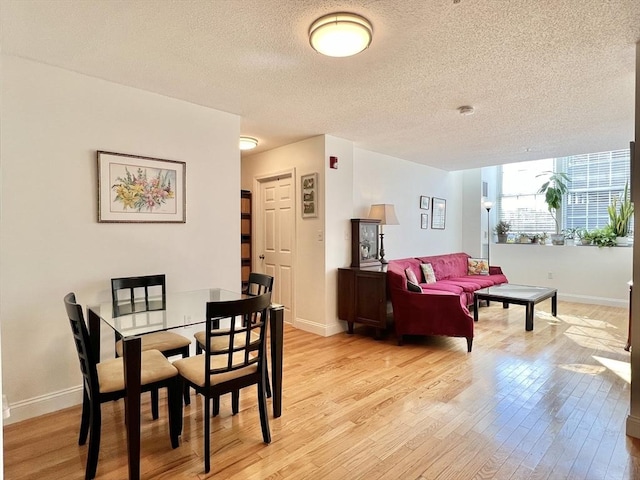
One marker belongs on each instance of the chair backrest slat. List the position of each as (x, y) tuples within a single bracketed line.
[(83, 345), (124, 298), (245, 345), (259, 284)]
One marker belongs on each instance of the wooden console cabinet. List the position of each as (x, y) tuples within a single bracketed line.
[(362, 296)]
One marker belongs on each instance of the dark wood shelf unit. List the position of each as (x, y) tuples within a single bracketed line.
[(362, 297), (245, 236)]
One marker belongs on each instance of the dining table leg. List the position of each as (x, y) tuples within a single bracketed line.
[(132, 359), (276, 317)]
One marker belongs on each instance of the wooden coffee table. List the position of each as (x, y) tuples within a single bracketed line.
[(526, 295)]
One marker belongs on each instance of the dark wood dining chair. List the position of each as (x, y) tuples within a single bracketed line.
[(258, 284), (234, 358), (130, 295), (104, 382)]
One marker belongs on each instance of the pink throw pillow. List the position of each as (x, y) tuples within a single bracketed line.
[(411, 276)]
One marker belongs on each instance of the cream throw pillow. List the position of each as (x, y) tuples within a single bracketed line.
[(427, 271)]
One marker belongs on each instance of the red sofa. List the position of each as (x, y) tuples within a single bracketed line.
[(442, 307)]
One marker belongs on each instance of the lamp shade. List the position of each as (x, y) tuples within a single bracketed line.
[(385, 212), (340, 34)]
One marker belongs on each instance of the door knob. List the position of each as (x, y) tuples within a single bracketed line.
[(261, 257)]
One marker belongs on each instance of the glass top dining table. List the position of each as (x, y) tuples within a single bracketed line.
[(175, 310)]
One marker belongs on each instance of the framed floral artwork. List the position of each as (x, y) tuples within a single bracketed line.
[(309, 195), (136, 189)]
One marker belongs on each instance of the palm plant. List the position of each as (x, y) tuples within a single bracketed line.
[(554, 189)]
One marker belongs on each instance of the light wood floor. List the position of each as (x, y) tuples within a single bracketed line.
[(547, 404)]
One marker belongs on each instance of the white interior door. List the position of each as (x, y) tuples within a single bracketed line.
[(276, 238)]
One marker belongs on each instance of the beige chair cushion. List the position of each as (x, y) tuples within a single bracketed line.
[(161, 341), (155, 367), (222, 343), (192, 368)]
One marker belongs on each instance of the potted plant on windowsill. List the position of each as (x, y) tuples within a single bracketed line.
[(620, 213), (586, 237), (570, 235), (502, 230), (554, 189), (604, 237)]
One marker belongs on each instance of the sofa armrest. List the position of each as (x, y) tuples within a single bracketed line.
[(431, 313), (495, 270)]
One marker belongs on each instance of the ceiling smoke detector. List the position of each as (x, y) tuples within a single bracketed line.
[(466, 110)]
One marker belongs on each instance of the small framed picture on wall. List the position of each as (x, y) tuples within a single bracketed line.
[(424, 220), (309, 196), (438, 213), (424, 202)]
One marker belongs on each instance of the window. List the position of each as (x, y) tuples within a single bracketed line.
[(596, 178)]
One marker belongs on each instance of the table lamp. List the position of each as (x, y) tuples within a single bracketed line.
[(386, 213)]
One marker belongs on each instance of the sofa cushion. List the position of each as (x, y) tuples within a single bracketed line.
[(476, 282), (443, 286), (477, 266), (448, 265), (411, 276), (414, 287), (498, 278), (427, 271)]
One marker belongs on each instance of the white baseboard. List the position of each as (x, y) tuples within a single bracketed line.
[(51, 402), (609, 302), (633, 426), (320, 328)]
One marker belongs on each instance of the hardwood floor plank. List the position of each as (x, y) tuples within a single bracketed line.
[(539, 405)]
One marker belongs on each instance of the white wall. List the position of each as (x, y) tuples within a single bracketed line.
[(338, 208), (380, 178), (1, 388), (305, 157), (53, 121), (581, 274), (474, 216), (362, 178)]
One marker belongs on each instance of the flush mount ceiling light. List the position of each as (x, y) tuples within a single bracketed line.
[(340, 34), (248, 143), (466, 110)]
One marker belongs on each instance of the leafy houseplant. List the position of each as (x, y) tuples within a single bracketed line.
[(586, 237), (502, 229), (604, 237), (554, 189), (620, 213), (541, 238)]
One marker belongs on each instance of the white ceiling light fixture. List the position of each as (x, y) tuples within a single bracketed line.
[(466, 110), (248, 143), (340, 34)]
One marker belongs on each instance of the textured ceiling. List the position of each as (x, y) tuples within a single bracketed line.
[(546, 77)]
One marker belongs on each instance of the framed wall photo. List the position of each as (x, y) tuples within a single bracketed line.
[(424, 220), (424, 202), (364, 242), (309, 195), (438, 213), (136, 189)]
